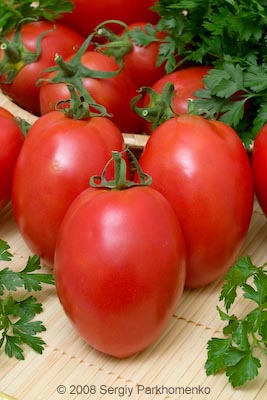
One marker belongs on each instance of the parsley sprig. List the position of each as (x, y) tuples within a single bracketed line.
[(229, 35), (17, 324), (13, 11), (237, 353), (237, 95)]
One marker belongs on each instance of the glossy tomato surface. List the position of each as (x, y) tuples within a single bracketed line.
[(11, 141), (202, 168), (120, 267), (259, 167), (87, 14), (58, 39), (57, 160), (113, 93)]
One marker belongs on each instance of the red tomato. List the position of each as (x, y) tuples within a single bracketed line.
[(87, 14), (202, 168), (186, 82), (113, 93), (140, 62), (58, 157), (11, 140), (120, 267), (5, 113), (23, 89), (259, 167)]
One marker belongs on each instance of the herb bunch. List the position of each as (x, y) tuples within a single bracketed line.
[(237, 353), (13, 11), (231, 36), (17, 324)]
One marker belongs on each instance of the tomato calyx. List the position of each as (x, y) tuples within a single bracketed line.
[(159, 109), (16, 56), (72, 71), (77, 107), (120, 180), (23, 124), (118, 45)]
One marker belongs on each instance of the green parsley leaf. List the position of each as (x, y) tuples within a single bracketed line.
[(17, 324), (217, 349), (4, 253), (245, 370), (235, 354), (13, 11), (231, 37), (236, 276)]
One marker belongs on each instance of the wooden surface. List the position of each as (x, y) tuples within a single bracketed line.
[(175, 363)]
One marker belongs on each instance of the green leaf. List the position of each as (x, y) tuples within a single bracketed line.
[(236, 276), (261, 117), (231, 37), (245, 370), (217, 349), (255, 319), (235, 354), (233, 112), (5, 255), (13, 11), (10, 280), (240, 336), (17, 324), (144, 37), (31, 281), (26, 308), (260, 282), (13, 347)]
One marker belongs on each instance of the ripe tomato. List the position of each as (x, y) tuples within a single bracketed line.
[(259, 167), (23, 89), (58, 157), (87, 14), (5, 113), (11, 140), (113, 93), (202, 168), (120, 267)]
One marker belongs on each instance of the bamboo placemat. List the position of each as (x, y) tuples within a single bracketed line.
[(171, 369)]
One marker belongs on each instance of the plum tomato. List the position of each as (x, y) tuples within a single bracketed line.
[(203, 169), (120, 267), (55, 164), (259, 167), (11, 141)]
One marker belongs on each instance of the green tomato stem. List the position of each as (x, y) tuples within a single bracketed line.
[(120, 180)]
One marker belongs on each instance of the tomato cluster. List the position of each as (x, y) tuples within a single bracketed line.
[(122, 250)]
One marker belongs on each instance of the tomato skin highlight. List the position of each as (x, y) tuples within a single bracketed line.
[(63, 40), (259, 167), (57, 160), (11, 141), (120, 267), (202, 168)]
